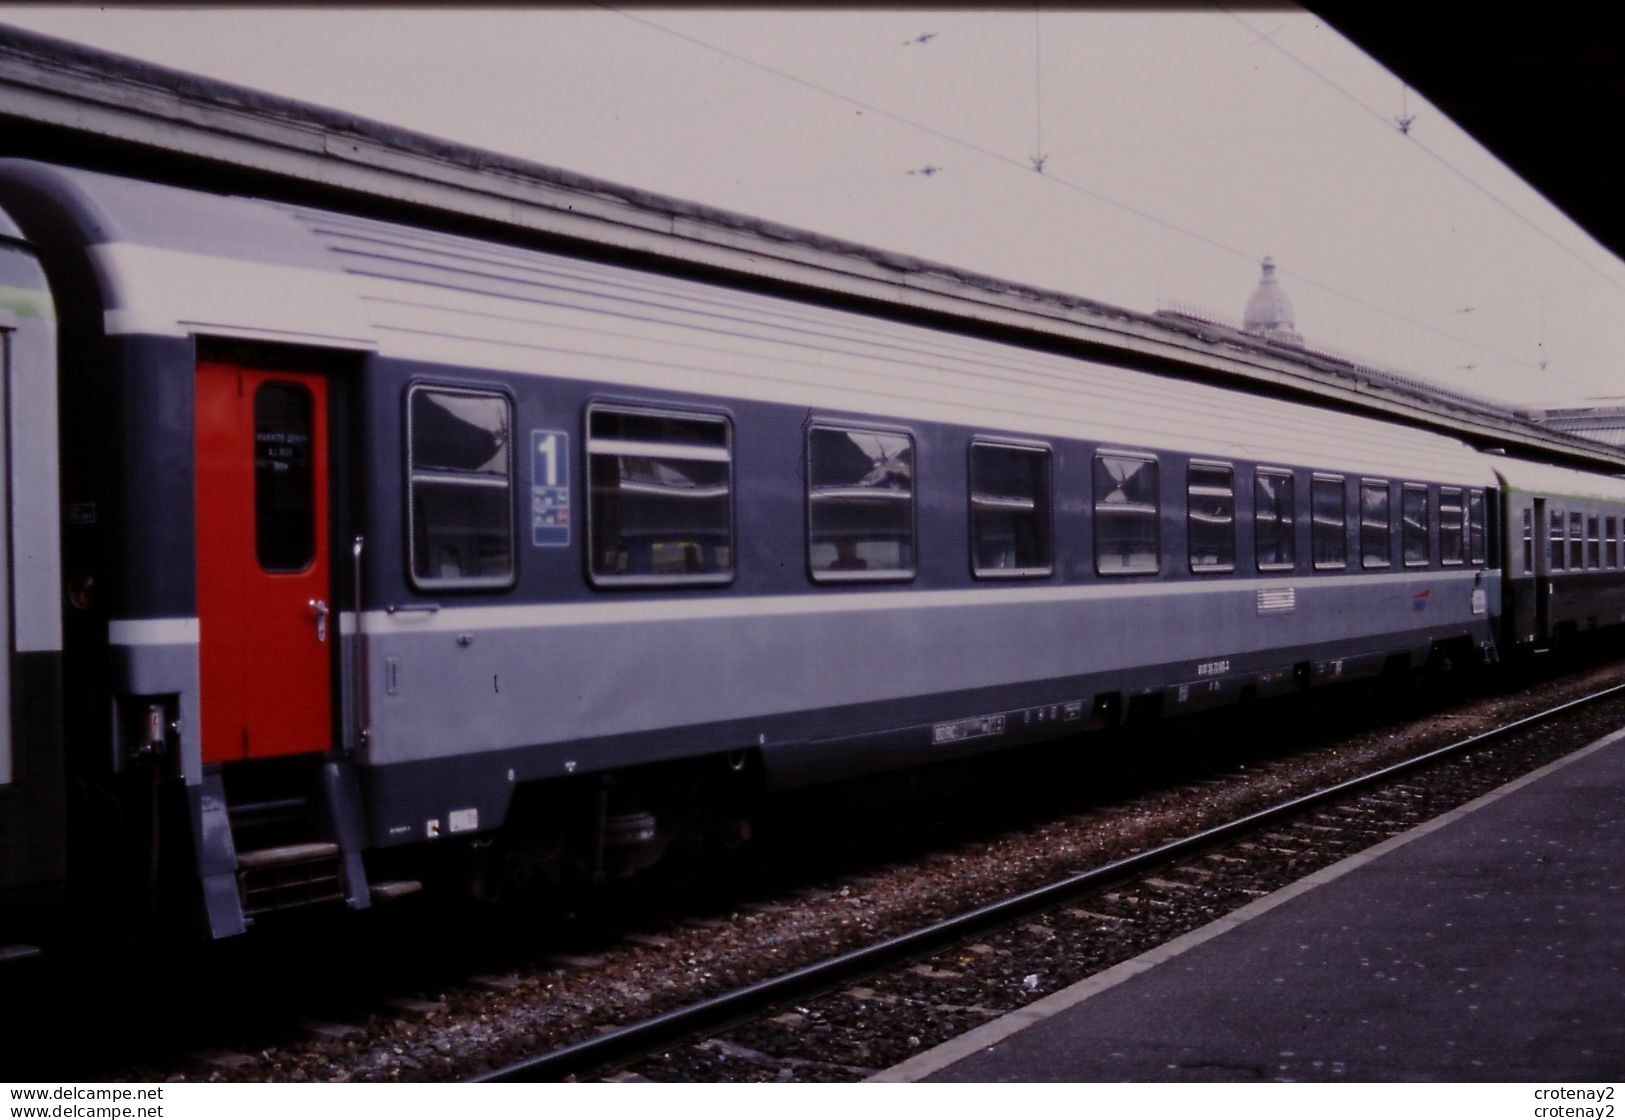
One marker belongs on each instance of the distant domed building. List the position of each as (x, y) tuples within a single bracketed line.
[(1269, 312)]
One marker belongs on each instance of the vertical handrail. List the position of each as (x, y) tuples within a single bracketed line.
[(358, 672)]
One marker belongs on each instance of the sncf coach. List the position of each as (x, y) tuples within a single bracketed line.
[(340, 548)]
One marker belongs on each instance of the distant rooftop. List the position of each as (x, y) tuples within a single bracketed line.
[(1348, 365), (1269, 312), (1598, 418)]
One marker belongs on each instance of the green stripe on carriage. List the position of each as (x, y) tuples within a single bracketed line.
[(29, 303)]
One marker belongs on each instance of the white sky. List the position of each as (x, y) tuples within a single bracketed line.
[(1182, 147)]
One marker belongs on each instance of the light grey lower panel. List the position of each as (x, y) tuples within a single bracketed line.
[(443, 691), (160, 670)]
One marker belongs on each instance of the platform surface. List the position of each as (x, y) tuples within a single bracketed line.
[(1487, 945)]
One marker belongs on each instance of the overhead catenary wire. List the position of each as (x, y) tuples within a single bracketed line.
[(1067, 184), (1389, 122), (1038, 158)]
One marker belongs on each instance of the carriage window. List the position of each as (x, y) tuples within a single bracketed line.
[(660, 486), (1611, 533), (284, 488), (1475, 527), (460, 452), (1010, 510), (1576, 541), (1376, 525), (1593, 541), (1559, 551), (1210, 505), (1273, 528), (1452, 529), (1528, 541), (1329, 521), (1127, 540), (1413, 515), (860, 504)]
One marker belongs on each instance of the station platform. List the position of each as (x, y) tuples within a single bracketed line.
[(1486, 945)]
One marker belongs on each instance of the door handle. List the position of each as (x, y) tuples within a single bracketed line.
[(321, 619)]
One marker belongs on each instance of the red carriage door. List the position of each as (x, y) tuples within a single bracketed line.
[(265, 633)]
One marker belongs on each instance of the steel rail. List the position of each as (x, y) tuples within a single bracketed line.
[(647, 1033)]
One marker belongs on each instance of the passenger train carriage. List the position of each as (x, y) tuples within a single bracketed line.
[(32, 782), (1565, 549), (379, 542)]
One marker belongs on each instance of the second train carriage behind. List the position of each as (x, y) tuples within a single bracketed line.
[(401, 540), (1565, 552)]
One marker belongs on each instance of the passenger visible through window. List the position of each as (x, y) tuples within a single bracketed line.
[(860, 504)]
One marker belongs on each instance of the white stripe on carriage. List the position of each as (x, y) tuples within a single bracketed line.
[(152, 631), (419, 618)]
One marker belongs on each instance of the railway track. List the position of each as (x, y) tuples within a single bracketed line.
[(419, 996), (852, 1015)]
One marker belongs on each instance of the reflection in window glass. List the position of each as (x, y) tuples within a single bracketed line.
[(1127, 540), (1475, 526), (284, 478), (1558, 542), (660, 486), (1010, 510), (1376, 526), (1413, 514), (1211, 506), (1273, 526), (462, 505), (1452, 529), (1329, 523), (860, 504)]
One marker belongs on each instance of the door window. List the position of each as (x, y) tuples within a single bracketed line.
[(284, 494)]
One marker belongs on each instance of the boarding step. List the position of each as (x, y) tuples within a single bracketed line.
[(395, 888), (268, 811), (289, 875)]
